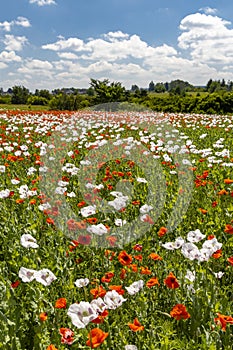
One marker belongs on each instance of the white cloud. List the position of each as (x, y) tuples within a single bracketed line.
[(23, 22), (205, 50), (43, 2), (3, 65), (67, 55), (6, 26), (10, 56), (37, 67), (14, 43), (207, 38), (74, 44), (209, 10), (20, 21)]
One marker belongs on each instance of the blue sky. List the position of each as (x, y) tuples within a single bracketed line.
[(63, 43)]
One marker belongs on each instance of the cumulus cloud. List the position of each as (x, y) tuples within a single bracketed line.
[(208, 39), (67, 55), (10, 56), (42, 2), (14, 43), (204, 51), (208, 10), (74, 44), (114, 46), (3, 65), (20, 21)]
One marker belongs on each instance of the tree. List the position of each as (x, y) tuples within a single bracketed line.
[(19, 95), (107, 92), (159, 88), (151, 86), (134, 88)]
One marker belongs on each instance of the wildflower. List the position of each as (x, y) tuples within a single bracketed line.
[(124, 258), (82, 282), (195, 236), (84, 239), (228, 181), (67, 336), (107, 277), (81, 314), (145, 209), (136, 326), (171, 281), (155, 256), (147, 218), (87, 211), (190, 275), (98, 292), (222, 321), (152, 282), (28, 241), (217, 254), (100, 318), (229, 229), (96, 337), (145, 271), (45, 276), (60, 303), (118, 289), (203, 211), (179, 312), (190, 251), (15, 284), (51, 347), (218, 274), (162, 231), (135, 287), (27, 275), (113, 300), (131, 347), (230, 260), (99, 229), (138, 247), (43, 316)]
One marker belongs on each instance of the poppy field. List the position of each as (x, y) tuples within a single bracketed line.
[(116, 231)]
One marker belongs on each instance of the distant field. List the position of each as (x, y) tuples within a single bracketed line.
[(23, 107)]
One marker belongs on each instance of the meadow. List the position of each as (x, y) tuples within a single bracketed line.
[(116, 230)]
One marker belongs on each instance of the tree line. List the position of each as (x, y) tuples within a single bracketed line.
[(175, 96)]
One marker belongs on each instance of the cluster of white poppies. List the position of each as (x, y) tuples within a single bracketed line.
[(190, 250)]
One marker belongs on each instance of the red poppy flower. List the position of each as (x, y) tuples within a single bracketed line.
[(98, 292), (124, 258), (162, 231), (85, 240), (60, 303), (43, 316), (136, 326), (155, 256), (230, 260), (222, 321), (179, 312), (96, 337), (152, 282), (171, 281), (229, 229)]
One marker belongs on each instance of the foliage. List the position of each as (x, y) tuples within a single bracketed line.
[(20, 95)]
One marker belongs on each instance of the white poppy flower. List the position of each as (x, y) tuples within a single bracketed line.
[(81, 282), (28, 241), (81, 314), (45, 276), (27, 275), (113, 300)]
